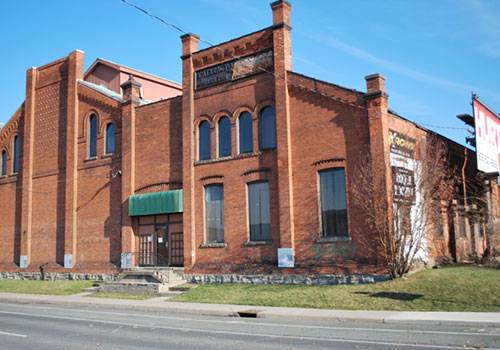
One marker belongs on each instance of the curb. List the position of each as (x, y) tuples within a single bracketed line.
[(475, 319)]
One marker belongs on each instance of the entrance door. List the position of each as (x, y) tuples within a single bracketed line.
[(161, 240), (162, 248), (146, 249)]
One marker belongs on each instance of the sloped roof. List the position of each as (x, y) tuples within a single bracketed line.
[(107, 92), (134, 72)]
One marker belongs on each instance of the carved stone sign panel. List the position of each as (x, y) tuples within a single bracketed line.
[(235, 69)]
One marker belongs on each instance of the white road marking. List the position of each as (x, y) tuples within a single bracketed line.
[(187, 329), (383, 330), (14, 334)]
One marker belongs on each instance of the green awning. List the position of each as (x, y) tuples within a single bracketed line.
[(155, 203)]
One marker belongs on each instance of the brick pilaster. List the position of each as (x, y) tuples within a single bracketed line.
[(189, 45), (26, 166), (377, 103), (75, 72), (282, 64), (131, 94)]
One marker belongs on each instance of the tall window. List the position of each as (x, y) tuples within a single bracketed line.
[(461, 225), (110, 138), (4, 163), (333, 202), (214, 213), (224, 137), (259, 212), (246, 132), (472, 228), (204, 140), (438, 226), (15, 163), (93, 135), (267, 128)]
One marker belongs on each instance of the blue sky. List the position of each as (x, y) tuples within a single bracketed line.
[(434, 54)]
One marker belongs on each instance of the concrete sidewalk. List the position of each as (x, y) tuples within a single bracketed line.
[(160, 304)]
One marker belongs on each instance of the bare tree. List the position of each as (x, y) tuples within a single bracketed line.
[(399, 216)]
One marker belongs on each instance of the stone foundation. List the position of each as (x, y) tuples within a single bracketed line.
[(134, 288), (288, 279), (56, 276)]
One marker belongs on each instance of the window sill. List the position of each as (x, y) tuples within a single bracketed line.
[(232, 157), (107, 155), (14, 174), (3, 176), (213, 245), (333, 239), (90, 159), (254, 243)]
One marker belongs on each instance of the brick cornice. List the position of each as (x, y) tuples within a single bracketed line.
[(375, 94), (111, 105)]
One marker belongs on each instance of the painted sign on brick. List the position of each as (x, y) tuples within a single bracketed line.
[(339, 250)]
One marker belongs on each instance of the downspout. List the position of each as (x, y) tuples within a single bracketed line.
[(465, 192), (464, 179)]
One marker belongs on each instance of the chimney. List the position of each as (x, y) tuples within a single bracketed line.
[(189, 44), (131, 90), (282, 43), (281, 12), (375, 84)]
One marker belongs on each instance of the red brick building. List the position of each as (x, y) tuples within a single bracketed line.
[(245, 157)]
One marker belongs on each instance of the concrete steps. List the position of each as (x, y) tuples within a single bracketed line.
[(147, 281)]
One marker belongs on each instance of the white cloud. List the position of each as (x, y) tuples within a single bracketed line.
[(487, 21), (391, 65), (412, 106), (490, 49), (305, 61)]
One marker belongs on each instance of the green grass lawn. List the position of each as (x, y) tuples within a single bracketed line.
[(44, 287), (464, 288)]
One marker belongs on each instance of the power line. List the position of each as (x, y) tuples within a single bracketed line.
[(237, 57), (270, 72), (441, 127), (173, 25)]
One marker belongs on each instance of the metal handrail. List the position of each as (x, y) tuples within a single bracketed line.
[(149, 259)]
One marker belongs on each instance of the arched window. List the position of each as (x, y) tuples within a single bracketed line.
[(204, 140), (246, 132), (4, 163), (110, 138), (93, 136), (267, 128), (15, 158), (224, 137)]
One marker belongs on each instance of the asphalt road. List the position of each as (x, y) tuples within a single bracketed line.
[(43, 326)]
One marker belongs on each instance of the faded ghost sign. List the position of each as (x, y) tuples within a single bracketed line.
[(402, 165), (234, 69)]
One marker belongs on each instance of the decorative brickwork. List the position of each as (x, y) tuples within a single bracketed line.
[(67, 208)]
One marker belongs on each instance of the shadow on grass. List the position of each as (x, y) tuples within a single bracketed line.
[(393, 295)]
